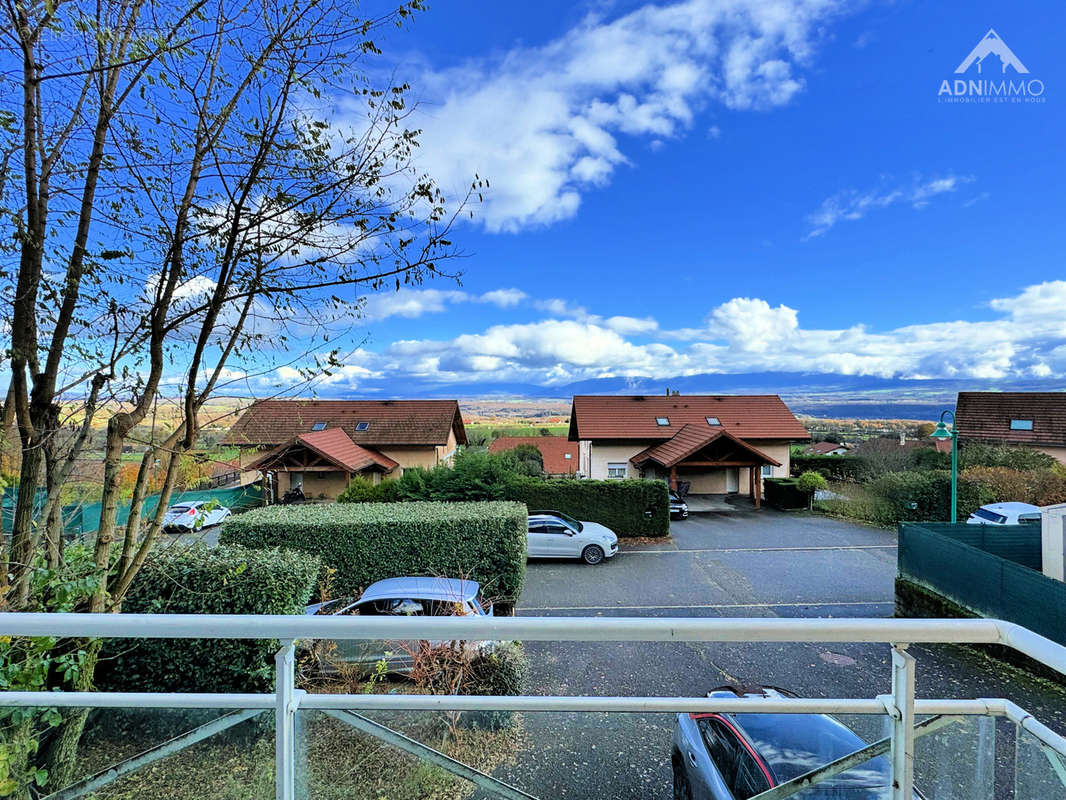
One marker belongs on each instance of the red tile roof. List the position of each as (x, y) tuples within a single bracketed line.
[(691, 439), (633, 417), (335, 446), (553, 449), (392, 422), (823, 448), (986, 416)]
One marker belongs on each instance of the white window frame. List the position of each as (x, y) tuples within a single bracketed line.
[(615, 466), (767, 471)]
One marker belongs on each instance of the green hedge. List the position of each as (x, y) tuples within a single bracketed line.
[(627, 507), (201, 580), (784, 493), (835, 468), (367, 542)]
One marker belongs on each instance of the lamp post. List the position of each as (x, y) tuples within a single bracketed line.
[(942, 432)]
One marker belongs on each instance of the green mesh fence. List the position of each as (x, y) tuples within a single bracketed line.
[(86, 518), (972, 569)]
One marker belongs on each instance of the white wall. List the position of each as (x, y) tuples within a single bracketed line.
[(600, 455), (1053, 537)]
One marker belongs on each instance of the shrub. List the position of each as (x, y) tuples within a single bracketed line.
[(455, 668), (1040, 487), (811, 482), (835, 468), (785, 494), (979, 454), (367, 542), (360, 490), (914, 496), (202, 580)]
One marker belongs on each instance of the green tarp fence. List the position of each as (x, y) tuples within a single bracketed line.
[(79, 519), (991, 570)]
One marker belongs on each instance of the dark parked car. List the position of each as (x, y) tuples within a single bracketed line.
[(737, 756), (678, 507)]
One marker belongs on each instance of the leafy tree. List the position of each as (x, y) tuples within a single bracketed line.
[(811, 482), (184, 196)]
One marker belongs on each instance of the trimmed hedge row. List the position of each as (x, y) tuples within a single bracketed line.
[(367, 542), (785, 494), (202, 580), (835, 468), (627, 507)]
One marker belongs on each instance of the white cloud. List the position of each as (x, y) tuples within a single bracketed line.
[(744, 334), (852, 204), (541, 123), (412, 303)]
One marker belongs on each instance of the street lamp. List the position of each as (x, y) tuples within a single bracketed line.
[(942, 432)]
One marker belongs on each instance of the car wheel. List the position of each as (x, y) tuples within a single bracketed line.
[(593, 554), (682, 789)]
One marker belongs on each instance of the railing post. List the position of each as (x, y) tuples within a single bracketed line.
[(902, 712), (285, 727)]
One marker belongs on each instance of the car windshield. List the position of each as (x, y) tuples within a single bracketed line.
[(179, 509), (991, 516), (570, 521), (792, 745)]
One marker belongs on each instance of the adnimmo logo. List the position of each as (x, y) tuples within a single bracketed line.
[(993, 75)]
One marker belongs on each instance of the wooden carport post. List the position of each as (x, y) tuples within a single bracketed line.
[(673, 478), (758, 487)]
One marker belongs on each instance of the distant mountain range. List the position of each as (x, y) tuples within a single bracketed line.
[(817, 394)]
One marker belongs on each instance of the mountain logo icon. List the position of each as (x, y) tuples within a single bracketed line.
[(991, 44)]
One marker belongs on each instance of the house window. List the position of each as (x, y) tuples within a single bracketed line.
[(1021, 424), (362, 426), (567, 456), (713, 421), (662, 421), (616, 470), (767, 471), (318, 426)]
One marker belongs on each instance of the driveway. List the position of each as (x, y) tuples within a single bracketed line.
[(740, 563)]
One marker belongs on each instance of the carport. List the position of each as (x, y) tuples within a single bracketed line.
[(698, 453)]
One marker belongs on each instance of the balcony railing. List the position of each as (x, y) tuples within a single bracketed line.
[(898, 706)]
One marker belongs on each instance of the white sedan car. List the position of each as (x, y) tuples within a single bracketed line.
[(1005, 514), (553, 534), (193, 516)]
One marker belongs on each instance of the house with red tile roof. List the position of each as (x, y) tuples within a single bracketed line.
[(828, 449), (318, 446), (1023, 419), (713, 444), (559, 454)]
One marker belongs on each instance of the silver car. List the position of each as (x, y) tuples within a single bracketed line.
[(397, 597), (184, 517), (552, 534)]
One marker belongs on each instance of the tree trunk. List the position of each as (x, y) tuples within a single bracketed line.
[(59, 755)]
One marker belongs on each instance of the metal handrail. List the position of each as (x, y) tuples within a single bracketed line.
[(901, 705)]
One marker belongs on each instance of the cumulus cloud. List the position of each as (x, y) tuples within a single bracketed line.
[(543, 123), (743, 334), (412, 303), (852, 204)]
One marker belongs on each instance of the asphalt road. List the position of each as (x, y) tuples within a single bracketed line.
[(741, 564)]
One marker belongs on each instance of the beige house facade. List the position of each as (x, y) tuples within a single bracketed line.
[(319, 446), (704, 444)]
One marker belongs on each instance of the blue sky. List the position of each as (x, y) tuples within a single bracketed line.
[(731, 187)]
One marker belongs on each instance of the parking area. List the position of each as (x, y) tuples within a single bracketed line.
[(739, 563)]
